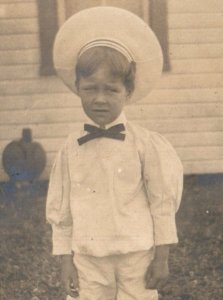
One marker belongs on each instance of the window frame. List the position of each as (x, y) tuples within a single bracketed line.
[(61, 10)]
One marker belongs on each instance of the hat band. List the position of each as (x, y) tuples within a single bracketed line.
[(108, 43)]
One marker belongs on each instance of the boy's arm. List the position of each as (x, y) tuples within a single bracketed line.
[(59, 216), (161, 253), (163, 176), (69, 275), (58, 205), (158, 270), (61, 239)]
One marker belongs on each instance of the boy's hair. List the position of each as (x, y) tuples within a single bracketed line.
[(120, 67)]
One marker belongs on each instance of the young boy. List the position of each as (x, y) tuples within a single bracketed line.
[(115, 187)]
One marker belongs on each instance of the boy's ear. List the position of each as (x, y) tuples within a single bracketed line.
[(77, 86), (129, 93)]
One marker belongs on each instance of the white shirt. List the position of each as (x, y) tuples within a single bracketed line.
[(110, 197)]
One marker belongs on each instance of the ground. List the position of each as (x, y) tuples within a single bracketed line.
[(29, 272)]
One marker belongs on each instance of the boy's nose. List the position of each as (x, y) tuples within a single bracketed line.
[(100, 98)]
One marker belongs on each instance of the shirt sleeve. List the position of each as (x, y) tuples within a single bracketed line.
[(163, 175), (58, 205)]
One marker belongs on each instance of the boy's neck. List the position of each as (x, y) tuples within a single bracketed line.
[(121, 119)]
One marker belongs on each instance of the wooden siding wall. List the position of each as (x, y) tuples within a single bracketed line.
[(186, 106)]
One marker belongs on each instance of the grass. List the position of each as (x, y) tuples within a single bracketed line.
[(29, 272)]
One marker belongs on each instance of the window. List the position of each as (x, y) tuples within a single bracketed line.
[(53, 13)]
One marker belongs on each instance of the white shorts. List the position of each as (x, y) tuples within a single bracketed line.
[(116, 277)]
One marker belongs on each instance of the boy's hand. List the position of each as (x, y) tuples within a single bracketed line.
[(158, 270), (156, 274), (69, 276)]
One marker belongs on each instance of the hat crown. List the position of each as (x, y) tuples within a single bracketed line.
[(108, 43)]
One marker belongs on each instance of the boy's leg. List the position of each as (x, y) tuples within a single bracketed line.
[(96, 277), (131, 269)]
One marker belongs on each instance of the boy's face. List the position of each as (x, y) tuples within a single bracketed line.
[(103, 96)]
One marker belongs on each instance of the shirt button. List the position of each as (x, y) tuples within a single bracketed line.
[(119, 170), (78, 184)]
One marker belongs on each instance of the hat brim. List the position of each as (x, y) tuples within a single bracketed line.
[(116, 25)]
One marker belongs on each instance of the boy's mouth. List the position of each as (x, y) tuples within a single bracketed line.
[(100, 110)]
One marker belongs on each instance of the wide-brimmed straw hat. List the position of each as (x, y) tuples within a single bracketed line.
[(112, 27)]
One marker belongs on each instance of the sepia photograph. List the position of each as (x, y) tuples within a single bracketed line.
[(111, 145)]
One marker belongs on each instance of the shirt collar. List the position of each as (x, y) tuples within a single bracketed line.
[(121, 119)]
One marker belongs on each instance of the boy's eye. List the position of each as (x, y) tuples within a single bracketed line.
[(89, 88), (112, 90)]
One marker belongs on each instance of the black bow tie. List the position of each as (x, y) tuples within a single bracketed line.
[(113, 132)]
